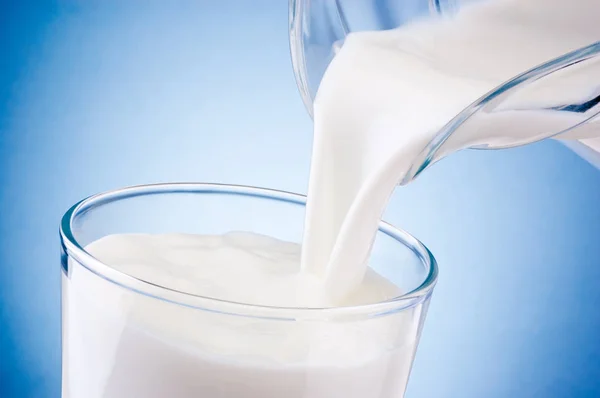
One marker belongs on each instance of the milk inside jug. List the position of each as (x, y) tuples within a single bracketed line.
[(531, 55)]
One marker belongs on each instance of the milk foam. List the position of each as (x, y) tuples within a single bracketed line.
[(241, 267), (386, 94)]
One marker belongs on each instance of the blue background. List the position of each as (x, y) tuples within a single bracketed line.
[(97, 95)]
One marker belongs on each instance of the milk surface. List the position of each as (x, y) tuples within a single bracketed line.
[(386, 94), (241, 267)]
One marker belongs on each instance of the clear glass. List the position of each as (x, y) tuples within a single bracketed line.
[(318, 28), (124, 337)]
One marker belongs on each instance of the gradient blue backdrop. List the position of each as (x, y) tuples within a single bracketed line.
[(97, 95)]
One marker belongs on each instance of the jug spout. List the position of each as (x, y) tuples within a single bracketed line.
[(318, 27), (314, 28)]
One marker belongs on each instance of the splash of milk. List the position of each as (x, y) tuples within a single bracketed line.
[(386, 94)]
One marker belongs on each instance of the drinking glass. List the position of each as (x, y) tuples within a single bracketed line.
[(124, 336)]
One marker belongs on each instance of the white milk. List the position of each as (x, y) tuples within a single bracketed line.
[(238, 266), (122, 344), (386, 94), (381, 101)]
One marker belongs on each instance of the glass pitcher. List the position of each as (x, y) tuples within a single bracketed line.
[(317, 31)]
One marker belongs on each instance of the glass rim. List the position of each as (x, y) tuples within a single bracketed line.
[(75, 250)]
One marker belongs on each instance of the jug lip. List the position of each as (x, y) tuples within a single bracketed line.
[(297, 24), (297, 53)]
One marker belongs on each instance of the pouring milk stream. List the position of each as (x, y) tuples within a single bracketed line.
[(386, 94)]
